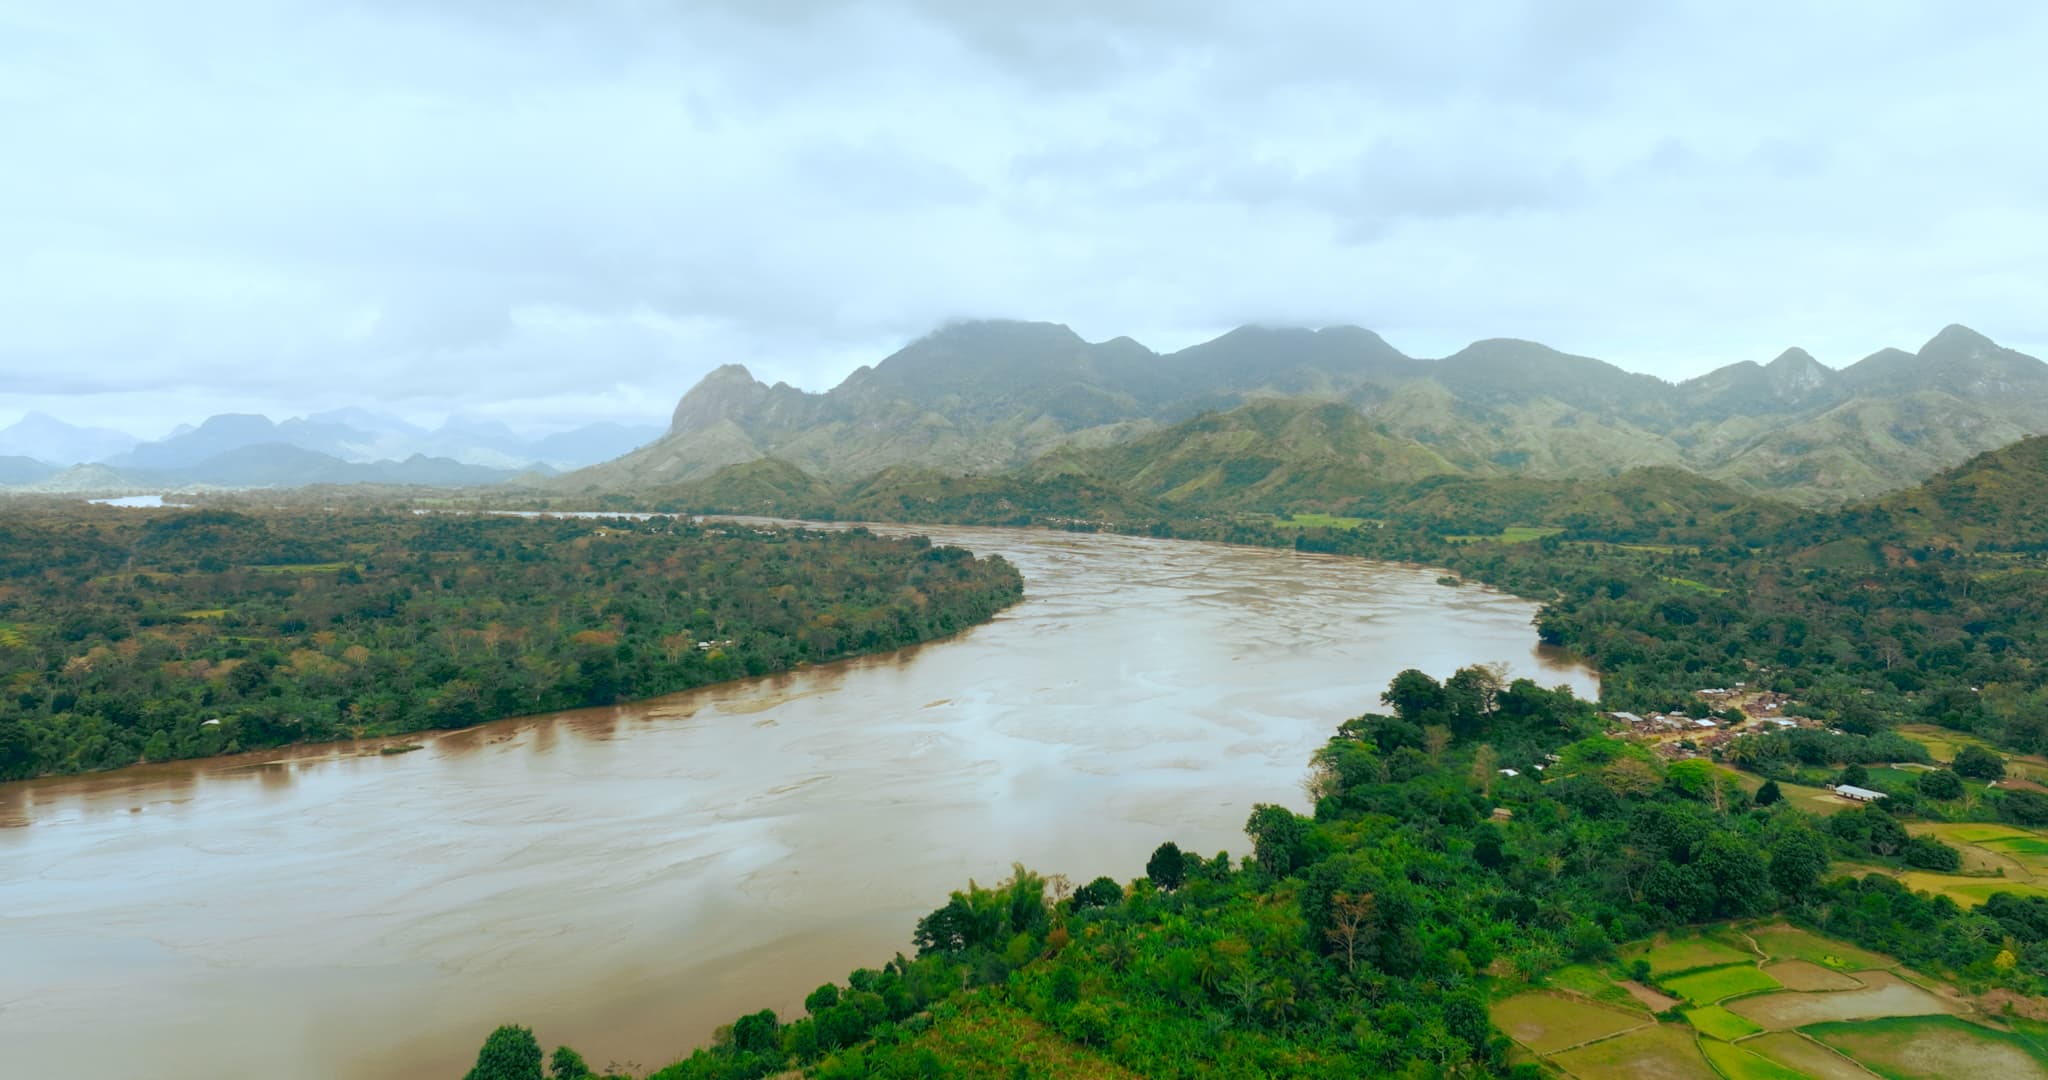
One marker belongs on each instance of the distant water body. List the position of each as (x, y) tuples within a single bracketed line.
[(626, 879)]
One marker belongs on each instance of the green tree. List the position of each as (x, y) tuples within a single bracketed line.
[(1278, 836), (1768, 794), (567, 1064), (1103, 892), (1798, 858), (1167, 867), (1856, 776), (1978, 764), (1941, 784), (509, 1053)]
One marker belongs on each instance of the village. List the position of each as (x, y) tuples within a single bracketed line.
[(1736, 712)]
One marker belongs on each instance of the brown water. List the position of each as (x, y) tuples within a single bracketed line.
[(626, 879)]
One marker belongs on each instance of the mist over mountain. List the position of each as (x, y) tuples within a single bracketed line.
[(986, 397), (350, 445), (52, 441)]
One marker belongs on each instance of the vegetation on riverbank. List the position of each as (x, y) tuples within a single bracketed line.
[(1381, 935), (130, 635)]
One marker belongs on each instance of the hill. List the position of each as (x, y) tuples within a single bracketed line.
[(992, 397), (1287, 453), (1994, 501)]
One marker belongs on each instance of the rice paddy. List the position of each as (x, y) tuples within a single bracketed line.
[(1764, 1002)]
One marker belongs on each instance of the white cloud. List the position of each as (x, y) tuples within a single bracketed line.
[(537, 210)]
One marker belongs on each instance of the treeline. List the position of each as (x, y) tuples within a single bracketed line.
[(1368, 939), (139, 635)]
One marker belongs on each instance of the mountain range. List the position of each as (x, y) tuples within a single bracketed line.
[(1277, 412), (342, 446)]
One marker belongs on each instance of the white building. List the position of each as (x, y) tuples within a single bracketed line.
[(1860, 794)]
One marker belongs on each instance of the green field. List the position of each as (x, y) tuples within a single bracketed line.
[(1721, 983), (1657, 1052), (1317, 521), (1581, 979), (1735, 1063), (1934, 1048), (1782, 942), (1804, 1056), (1669, 957), (1513, 534), (1720, 1023), (1549, 1022)]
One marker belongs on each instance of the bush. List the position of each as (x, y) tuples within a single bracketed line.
[(1979, 763), (1927, 853)]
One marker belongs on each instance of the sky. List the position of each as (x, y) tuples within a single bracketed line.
[(550, 213)]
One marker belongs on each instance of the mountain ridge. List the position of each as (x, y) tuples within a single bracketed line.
[(986, 397)]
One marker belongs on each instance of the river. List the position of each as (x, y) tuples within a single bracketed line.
[(625, 879)]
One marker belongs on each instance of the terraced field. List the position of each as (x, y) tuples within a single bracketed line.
[(1996, 858), (1769, 1001)]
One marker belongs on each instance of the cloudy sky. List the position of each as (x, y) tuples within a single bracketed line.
[(560, 211)]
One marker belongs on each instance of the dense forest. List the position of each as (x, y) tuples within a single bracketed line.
[(129, 635), (1368, 939)]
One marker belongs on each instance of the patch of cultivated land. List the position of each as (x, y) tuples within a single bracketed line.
[(1782, 941), (1660, 1052), (1721, 983), (1809, 976), (1547, 1022), (1805, 1057), (1935, 1048), (1720, 1023), (1736, 1063), (1668, 957), (1884, 994)]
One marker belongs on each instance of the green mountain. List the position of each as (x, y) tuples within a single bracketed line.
[(1993, 501), (1270, 453), (985, 398)]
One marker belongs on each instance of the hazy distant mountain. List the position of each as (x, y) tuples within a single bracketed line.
[(51, 440), (15, 469), (270, 465), (987, 397), (365, 437)]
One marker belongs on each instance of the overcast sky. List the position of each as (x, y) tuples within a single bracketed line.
[(560, 211)]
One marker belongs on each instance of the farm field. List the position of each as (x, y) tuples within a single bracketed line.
[(1765, 1001), (2002, 858), (1721, 983), (1935, 1048)]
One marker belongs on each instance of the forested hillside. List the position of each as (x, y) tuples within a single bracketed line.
[(132, 635)]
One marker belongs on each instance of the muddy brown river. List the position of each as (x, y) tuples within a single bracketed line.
[(626, 879)]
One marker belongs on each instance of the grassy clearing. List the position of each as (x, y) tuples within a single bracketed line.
[(1735, 1063), (1696, 586), (1783, 942), (1967, 891), (1547, 1022), (1720, 1023), (1513, 534), (1804, 1056), (1658, 1052), (989, 1040), (1317, 521), (1668, 956), (1808, 976), (299, 568), (1719, 984), (205, 613), (1934, 1048), (1581, 979)]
